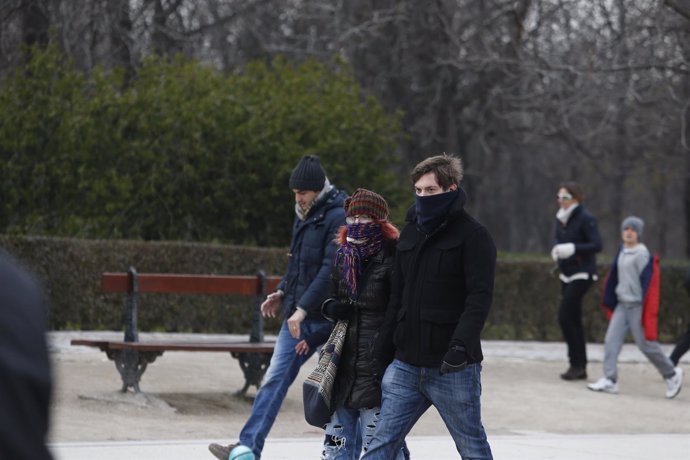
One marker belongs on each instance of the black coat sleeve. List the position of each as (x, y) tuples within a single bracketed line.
[(25, 380), (384, 349)]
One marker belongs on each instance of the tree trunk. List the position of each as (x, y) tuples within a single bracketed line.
[(120, 37), (686, 205), (35, 22)]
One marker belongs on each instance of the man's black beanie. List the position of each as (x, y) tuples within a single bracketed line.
[(308, 174)]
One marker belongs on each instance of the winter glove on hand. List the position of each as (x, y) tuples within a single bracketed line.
[(337, 310), (554, 253), (455, 360), (565, 250)]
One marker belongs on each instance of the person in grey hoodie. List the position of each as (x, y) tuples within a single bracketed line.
[(625, 292)]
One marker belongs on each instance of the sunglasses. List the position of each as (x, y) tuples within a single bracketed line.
[(358, 219), (564, 197)]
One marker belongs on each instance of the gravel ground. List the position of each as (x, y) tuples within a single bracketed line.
[(190, 396)]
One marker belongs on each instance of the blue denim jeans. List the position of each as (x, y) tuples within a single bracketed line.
[(350, 431), (281, 372), (408, 391)]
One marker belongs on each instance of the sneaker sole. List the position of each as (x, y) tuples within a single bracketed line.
[(602, 390), (680, 387), (673, 395), (218, 451)]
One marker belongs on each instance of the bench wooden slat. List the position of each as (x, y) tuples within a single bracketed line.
[(233, 347), (188, 284), (115, 282), (102, 344)]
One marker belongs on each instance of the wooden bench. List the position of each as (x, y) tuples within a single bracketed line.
[(131, 356)]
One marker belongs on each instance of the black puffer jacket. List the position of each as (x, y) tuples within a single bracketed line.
[(357, 384)]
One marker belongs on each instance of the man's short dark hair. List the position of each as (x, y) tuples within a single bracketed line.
[(447, 169)]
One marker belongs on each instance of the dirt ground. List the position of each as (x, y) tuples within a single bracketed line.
[(190, 396)]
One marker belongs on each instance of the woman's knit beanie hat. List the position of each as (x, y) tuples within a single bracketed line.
[(308, 174), (635, 223), (366, 202)]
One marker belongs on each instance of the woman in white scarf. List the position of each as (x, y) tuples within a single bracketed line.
[(577, 241)]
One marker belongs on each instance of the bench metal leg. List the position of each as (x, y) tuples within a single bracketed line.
[(254, 367), (131, 364)]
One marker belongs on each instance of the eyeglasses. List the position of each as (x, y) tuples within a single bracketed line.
[(564, 197), (358, 219)]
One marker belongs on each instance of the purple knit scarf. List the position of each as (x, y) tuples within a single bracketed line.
[(369, 241)]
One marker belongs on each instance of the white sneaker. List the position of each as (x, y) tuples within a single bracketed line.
[(673, 384), (604, 384)]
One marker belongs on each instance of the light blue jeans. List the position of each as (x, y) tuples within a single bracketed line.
[(350, 431), (281, 372), (408, 391)]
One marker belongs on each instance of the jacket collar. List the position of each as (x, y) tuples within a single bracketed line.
[(331, 199), (571, 214)]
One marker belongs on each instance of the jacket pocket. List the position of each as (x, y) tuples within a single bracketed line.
[(310, 257), (437, 328), (447, 263)]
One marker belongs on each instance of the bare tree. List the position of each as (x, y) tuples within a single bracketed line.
[(683, 9), (528, 92)]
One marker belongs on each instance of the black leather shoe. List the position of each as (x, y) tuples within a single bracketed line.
[(574, 373)]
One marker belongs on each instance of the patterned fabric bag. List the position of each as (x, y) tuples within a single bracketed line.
[(317, 389)]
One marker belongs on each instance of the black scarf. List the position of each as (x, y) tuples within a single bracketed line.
[(432, 210)]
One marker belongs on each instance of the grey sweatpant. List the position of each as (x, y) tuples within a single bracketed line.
[(629, 317)]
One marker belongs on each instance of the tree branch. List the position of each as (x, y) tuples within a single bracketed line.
[(675, 5)]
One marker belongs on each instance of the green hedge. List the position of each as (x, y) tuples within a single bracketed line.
[(181, 152), (71, 268), (525, 304)]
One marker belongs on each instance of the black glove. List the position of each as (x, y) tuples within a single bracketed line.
[(337, 310), (455, 360)]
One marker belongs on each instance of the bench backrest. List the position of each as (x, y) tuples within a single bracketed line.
[(187, 284), (134, 283)]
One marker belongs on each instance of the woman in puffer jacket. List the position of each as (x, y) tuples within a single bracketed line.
[(359, 294)]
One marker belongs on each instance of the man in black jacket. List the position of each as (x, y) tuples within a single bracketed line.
[(442, 288), (25, 378), (683, 343)]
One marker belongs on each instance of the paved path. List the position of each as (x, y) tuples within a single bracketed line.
[(529, 413), (530, 446)]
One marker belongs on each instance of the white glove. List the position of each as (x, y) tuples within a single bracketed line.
[(565, 250), (554, 253)]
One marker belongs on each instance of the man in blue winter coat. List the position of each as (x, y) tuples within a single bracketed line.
[(319, 213)]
